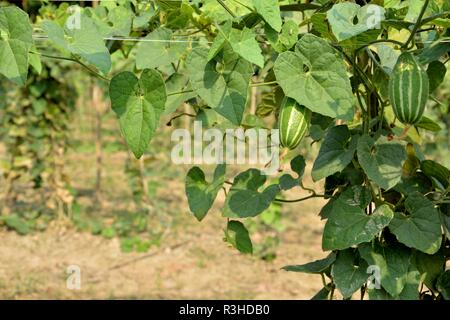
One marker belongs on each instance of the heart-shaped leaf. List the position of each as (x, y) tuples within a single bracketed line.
[(349, 225), (222, 82), (242, 42), (421, 228), (139, 104), (348, 273), (392, 262), (200, 193), (317, 81), (349, 19), (158, 49), (244, 198), (85, 41), (15, 43), (382, 160)]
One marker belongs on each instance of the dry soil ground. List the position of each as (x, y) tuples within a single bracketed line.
[(192, 261)]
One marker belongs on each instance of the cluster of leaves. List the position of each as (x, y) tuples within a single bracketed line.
[(34, 129), (388, 206)]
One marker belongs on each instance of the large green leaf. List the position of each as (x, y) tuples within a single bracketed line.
[(421, 228), (270, 11), (317, 81), (158, 49), (315, 267), (348, 273), (139, 104), (15, 43), (393, 263), (381, 160), (335, 154), (349, 19), (86, 41), (223, 82), (244, 198), (200, 193), (349, 225), (242, 42), (237, 235)]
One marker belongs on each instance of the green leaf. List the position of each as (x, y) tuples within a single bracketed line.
[(349, 275), (286, 39), (428, 124), (436, 73), (86, 42), (349, 19), (177, 82), (349, 225), (242, 42), (15, 43), (443, 284), (335, 154), (139, 104), (433, 52), (237, 235), (316, 267), (200, 193), (393, 262), (378, 294), (421, 228), (270, 11), (244, 200), (35, 60), (317, 81), (158, 49), (323, 294), (437, 171), (225, 90), (411, 289), (381, 160), (430, 267), (287, 181)]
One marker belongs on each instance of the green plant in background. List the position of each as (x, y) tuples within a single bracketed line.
[(34, 130), (388, 203)]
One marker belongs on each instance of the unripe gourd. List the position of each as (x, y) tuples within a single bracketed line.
[(408, 89), (293, 122)]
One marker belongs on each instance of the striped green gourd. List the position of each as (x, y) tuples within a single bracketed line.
[(293, 123), (408, 89)]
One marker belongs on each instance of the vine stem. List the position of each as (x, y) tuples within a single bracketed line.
[(169, 123), (95, 73), (179, 92), (417, 25), (226, 8), (301, 199), (380, 41), (261, 84)]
